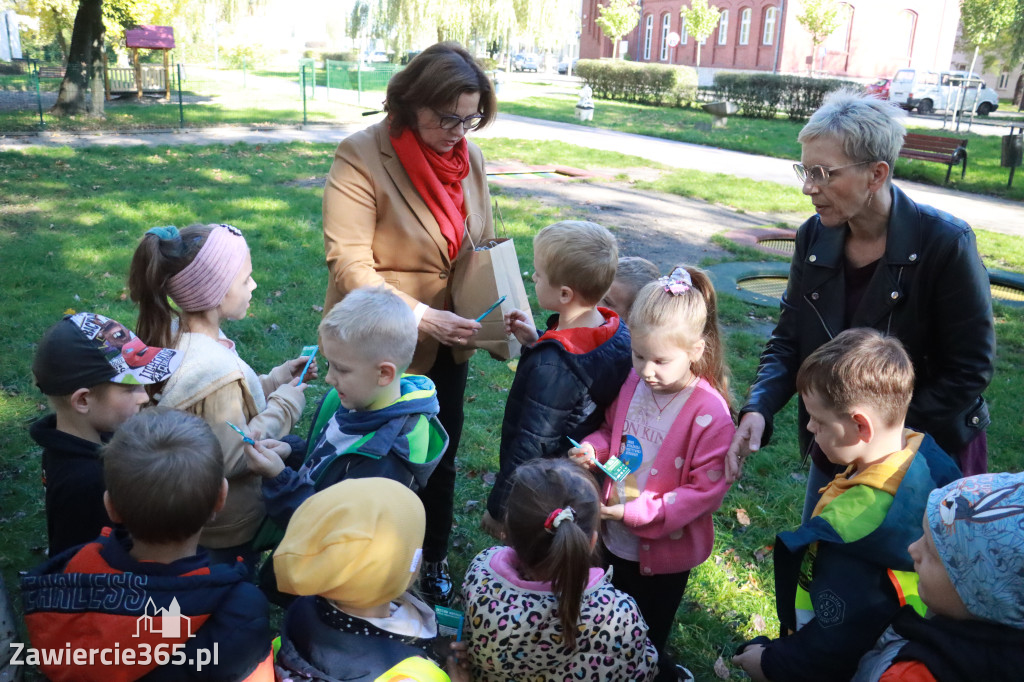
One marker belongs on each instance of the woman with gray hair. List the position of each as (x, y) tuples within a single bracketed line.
[(872, 257)]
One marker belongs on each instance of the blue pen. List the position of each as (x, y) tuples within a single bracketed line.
[(574, 443), (308, 363), (491, 309), (241, 433)]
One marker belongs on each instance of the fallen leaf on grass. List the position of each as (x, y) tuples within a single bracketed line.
[(762, 554), (318, 309), (742, 517), (721, 669), (758, 622), (489, 478)]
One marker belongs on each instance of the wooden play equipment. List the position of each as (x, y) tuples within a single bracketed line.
[(142, 78)]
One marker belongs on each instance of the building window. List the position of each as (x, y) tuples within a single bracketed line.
[(768, 38), (723, 27), (648, 34), (745, 26), (1004, 81), (684, 35), (665, 21), (906, 25), (839, 41)]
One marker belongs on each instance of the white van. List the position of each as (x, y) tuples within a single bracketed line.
[(929, 91)]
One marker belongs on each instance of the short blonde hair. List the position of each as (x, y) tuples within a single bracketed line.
[(376, 320), (860, 366), (580, 255)]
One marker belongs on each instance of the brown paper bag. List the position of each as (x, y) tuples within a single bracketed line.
[(482, 276)]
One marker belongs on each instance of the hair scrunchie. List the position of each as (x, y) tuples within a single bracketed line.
[(677, 283), (164, 232), (556, 517)]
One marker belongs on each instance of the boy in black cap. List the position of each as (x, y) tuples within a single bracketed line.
[(94, 372)]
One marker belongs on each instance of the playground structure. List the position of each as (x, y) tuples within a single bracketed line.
[(141, 79)]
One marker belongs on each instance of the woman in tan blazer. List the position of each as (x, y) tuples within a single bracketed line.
[(404, 198)]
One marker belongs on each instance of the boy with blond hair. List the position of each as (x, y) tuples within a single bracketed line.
[(144, 601), (845, 573), (383, 423), (631, 275), (568, 375)]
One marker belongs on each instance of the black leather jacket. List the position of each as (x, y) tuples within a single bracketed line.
[(930, 290)]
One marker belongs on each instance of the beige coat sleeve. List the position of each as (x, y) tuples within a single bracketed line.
[(227, 404), (350, 221), (277, 377)]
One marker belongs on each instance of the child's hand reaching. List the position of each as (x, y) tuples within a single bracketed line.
[(492, 526), (750, 660), (613, 513), (295, 369), (584, 455), (519, 324), (457, 665), (267, 457)]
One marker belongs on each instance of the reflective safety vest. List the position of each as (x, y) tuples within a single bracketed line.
[(414, 669), (904, 582)]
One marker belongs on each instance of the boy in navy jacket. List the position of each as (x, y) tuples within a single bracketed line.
[(567, 376), (144, 602)]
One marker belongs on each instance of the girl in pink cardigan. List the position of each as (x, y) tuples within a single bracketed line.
[(670, 427)]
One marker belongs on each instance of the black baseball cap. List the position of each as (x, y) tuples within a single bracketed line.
[(87, 349)]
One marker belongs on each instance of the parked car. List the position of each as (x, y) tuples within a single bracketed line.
[(563, 66), (931, 91), (910, 87), (526, 62), (879, 88)]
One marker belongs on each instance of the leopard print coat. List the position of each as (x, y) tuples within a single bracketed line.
[(514, 634)]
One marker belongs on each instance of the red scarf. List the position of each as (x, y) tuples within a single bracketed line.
[(438, 179)]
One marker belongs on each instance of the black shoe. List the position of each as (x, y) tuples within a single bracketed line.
[(682, 674), (436, 583)]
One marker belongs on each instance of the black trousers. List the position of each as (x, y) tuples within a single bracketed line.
[(438, 496), (658, 598)]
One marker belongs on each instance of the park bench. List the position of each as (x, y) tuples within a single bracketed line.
[(51, 72), (947, 150)]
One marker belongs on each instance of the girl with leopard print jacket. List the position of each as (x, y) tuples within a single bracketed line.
[(540, 610)]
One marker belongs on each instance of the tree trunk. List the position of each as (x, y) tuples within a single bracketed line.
[(85, 63), (61, 40)]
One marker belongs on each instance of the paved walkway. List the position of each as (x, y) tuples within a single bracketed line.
[(997, 215)]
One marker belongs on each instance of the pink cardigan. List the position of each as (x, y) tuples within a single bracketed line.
[(672, 515)]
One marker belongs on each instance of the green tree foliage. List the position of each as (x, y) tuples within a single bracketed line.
[(700, 19), (359, 20), (616, 18), (820, 18), (984, 20)]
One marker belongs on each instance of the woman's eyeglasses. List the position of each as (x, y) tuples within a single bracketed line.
[(449, 121), (820, 175)]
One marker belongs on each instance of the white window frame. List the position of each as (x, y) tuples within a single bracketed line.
[(648, 36), (684, 35), (666, 25), (770, 17), (745, 18), (723, 27)]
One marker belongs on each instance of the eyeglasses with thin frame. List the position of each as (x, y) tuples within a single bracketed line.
[(449, 121), (821, 175)]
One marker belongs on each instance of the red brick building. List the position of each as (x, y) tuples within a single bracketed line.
[(877, 37)]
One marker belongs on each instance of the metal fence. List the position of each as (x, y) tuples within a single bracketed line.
[(202, 96)]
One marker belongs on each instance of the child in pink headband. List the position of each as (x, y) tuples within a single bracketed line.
[(186, 284)]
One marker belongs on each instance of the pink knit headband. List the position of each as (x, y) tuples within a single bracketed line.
[(204, 282)]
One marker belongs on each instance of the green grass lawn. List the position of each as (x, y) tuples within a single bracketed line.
[(209, 98), (70, 220), (770, 138)]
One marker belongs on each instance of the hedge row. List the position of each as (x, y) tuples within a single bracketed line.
[(762, 95), (638, 82)]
